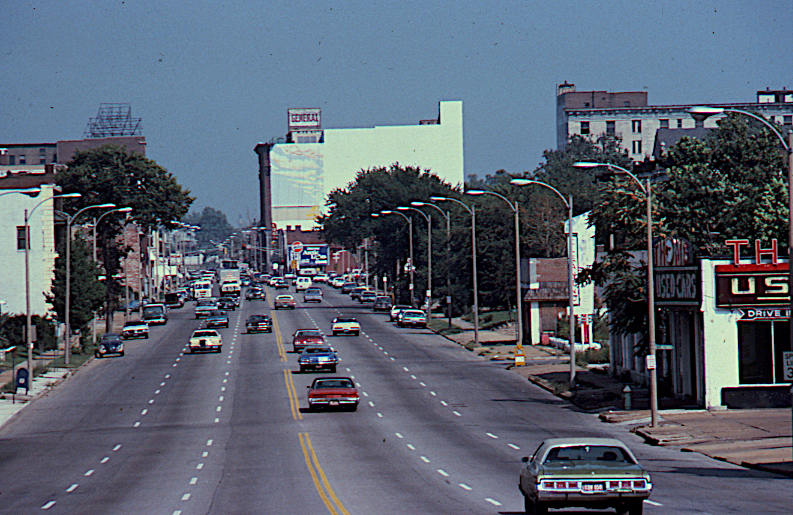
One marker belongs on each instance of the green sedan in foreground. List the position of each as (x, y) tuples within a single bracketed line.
[(596, 473)]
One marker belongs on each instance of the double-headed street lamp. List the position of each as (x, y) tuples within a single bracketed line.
[(412, 267), (568, 202), (472, 211), (448, 254), (651, 357), (69, 220), (701, 113), (518, 282), (428, 219), (28, 316)]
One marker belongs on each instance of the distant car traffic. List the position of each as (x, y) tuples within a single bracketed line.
[(135, 329), (110, 343), (382, 303), (348, 286), (284, 302), (367, 297), (412, 318), (259, 324), (255, 294), (356, 292), (306, 337), (280, 284), (217, 319), (345, 325), (318, 357), (333, 392), (205, 340), (584, 472), (227, 303), (312, 294)]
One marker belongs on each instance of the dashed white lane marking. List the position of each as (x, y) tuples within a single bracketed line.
[(371, 404), (219, 408), (89, 473), (186, 497), (444, 403), (514, 446), (410, 446), (151, 401), (144, 412), (193, 480), (72, 488), (136, 424), (433, 394), (48, 505), (380, 415), (177, 512), (167, 376), (162, 384), (425, 459), (493, 502), (209, 443), (199, 466), (405, 369), (422, 384), (174, 364), (443, 473), (217, 420), (413, 377), (491, 435), (105, 460), (399, 435), (392, 359), (205, 454), (465, 487), (457, 413), (117, 447), (652, 503), (220, 399)]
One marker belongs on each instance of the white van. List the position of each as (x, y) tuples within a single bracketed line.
[(301, 283)]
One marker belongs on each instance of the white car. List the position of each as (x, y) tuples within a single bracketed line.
[(205, 340), (345, 325), (302, 283)]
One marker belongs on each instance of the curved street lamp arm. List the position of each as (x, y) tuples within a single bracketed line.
[(525, 182), (419, 211), (702, 112), (450, 199), (429, 204), (514, 206)]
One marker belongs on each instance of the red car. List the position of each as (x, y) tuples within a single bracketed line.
[(333, 392), (305, 337)]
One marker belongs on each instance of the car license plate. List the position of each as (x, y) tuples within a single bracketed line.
[(334, 403), (593, 487)]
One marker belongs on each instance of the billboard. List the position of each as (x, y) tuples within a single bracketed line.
[(305, 119), (310, 256)]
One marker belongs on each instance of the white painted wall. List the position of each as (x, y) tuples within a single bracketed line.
[(42, 250), (303, 174)]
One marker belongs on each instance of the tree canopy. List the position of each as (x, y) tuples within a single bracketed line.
[(214, 226)]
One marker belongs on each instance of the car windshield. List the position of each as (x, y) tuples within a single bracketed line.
[(333, 383), (317, 350), (204, 334), (588, 453), (134, 323), (205, 302), (304, 334), (284, 297), (345, 320)]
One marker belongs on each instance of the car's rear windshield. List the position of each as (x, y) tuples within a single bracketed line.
[(205, 333), (309, 333), (575, 453), (334, 383)]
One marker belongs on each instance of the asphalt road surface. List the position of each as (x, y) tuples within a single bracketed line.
[(438, 431)]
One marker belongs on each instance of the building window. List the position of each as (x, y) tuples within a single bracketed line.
[(636, 126), (584, 127), (679, 123), (637, 146), (664, 123), (42, 156), (12, 160), (611, 128), (761, 348), (21, 238), (22, 159), (787, 119)]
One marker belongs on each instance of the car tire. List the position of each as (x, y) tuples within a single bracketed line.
[(356, 333), (354, 407), (302, 370), (539, 508), (333, 369), (528, 506), (636, 508), (334, 333), (122, 353)]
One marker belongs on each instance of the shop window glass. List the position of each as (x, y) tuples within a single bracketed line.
[(781, 345), (754, 353)]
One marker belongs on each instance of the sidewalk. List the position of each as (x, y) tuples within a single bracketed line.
[(759, 439), (10, 404)]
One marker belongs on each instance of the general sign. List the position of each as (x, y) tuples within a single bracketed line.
[(301, 119), (752, 285), (677, 286)]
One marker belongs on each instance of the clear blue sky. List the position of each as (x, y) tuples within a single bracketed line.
[(210, 79)]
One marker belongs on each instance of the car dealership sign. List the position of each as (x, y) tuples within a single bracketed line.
[(676, 276), (753, 285)]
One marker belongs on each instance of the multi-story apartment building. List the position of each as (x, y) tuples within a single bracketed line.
[(628, 116)]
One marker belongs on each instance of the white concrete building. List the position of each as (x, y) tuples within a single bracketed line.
[(298, 173), (41, 258)]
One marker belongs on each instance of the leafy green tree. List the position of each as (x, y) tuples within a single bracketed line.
[(214, 227), (86, 291), (109, 174)]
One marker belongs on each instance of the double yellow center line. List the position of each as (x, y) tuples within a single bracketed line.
[(320, 480)]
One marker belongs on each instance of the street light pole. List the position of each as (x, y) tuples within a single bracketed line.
[(28, 315), (651, 362), (448, 255), (568, 202), (428, 219), (410, 237), (701, 113), (472, 211), (518, 281)]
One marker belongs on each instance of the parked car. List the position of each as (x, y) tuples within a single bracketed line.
[(305, 337), (135, 329), (255, 293), (285, 302), (318, 357), (259, 324), (205, 340), (312, 294), (584, 472), (412, 318), (367, 297), (333, 392), (382, 303), (345, 325), (110, 343), (205, 306), (396, 309), (155, 314), (217, 319)]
